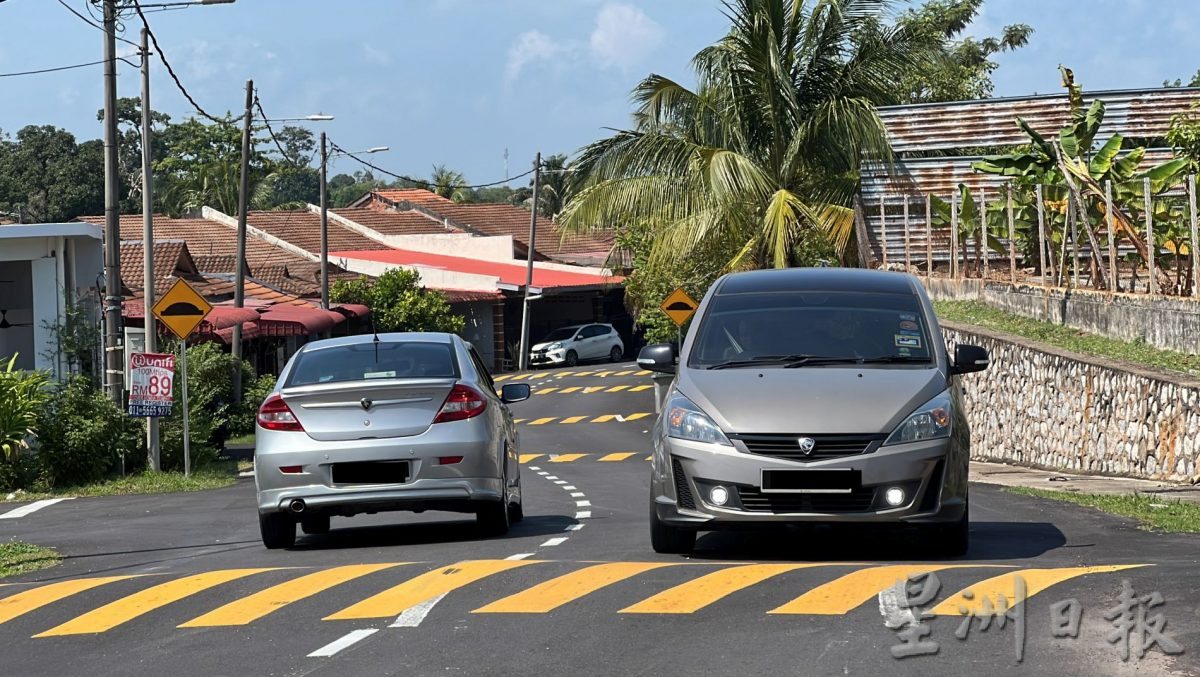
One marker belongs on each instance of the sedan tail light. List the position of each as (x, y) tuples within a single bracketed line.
[(463, 402), (275, 414)]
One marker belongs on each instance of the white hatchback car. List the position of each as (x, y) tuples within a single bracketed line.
[(574, 344)]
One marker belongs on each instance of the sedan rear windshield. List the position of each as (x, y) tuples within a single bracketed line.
[(798, 328), (365, 361)]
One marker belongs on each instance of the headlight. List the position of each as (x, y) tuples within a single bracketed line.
[(930, 421), (554, 346), (686, 421)]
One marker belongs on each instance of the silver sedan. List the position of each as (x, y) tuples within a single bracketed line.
[(376, 423)]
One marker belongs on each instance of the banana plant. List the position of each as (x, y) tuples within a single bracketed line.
[(972, 225), (22, 395)]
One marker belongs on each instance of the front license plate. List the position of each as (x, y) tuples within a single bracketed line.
[(832, 481)]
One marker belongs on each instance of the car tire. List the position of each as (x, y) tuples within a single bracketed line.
[(493, 519), (516, 510), (277, 529), (669, 540), (954, 539), (572, 358), (616, 354), (315, 525)]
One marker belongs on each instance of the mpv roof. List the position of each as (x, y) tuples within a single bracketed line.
[(817, 279)]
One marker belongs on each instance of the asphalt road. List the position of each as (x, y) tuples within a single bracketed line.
[(154, 585)]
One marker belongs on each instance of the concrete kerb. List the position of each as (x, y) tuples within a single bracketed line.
[(1004, 475)]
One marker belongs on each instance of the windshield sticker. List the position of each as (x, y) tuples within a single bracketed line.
[(380, 374), (908, 324), (903, 341), (908, 316), (905, 352)]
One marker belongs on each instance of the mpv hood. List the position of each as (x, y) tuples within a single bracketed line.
[(810, 399)]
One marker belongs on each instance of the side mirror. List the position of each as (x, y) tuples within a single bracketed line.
[(514, 392), (969, 359), (660, 357)]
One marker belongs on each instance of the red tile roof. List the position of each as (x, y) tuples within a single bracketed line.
[(510, 273), (303, 229), (395, 222), (169, 259), (502, 219)]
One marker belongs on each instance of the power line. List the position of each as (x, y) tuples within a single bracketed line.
[(267, 122), (171, 71), (92, 23), (60, 68), (421, 181)]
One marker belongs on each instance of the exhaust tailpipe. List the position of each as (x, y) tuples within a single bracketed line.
[(296, 506)]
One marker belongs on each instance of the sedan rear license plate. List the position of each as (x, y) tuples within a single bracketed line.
[(370, 472), (833, 481)]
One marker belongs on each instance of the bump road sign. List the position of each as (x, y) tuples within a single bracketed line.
[(182, 309), (679, 306)]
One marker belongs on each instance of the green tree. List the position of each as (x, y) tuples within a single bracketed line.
[(449, 184), (556, 185), (45, 176), (1194, 82), (962, 66), (398, 303), (202, 167), (129, 148), (766, 150)]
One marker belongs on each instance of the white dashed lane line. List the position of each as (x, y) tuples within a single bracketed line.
[(32, 507), (350, 639)]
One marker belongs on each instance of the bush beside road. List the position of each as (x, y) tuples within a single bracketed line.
[(1153, 512), (215, 476)]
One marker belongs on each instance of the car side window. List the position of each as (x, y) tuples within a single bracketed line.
[(484, 375), (590, 331), (602, 330)]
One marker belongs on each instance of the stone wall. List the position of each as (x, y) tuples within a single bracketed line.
[(1049, 408), (1169, 322)]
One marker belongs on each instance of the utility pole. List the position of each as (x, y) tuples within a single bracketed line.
[(238, 276), (113, 362), (148, 280), (523, 361), (324, 224)]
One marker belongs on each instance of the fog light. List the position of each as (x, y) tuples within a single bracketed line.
[(894, 496), (718, 495)]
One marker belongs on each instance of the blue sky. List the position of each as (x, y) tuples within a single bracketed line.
[(459, 81)]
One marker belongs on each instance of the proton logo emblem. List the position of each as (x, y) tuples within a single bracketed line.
[(807, 444), (366, 404)]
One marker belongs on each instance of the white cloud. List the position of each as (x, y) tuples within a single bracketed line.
[(530, 46), (623, 36), (375, 55)]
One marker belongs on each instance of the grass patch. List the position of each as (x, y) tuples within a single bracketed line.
[(19, 557), (980, 315), (241, 440), (1153, 512), (215, 476)]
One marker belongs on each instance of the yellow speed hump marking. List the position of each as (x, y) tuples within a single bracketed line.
[(128, 608), (182, 309), (556, 592), (848, 592), (710, 588), (427, 586), (679, 306), (1035, 580), (29, 600)]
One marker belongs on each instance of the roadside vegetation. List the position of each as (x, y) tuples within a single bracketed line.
[(19, 557), (212, 476), (1138, 352), (1154, 513)]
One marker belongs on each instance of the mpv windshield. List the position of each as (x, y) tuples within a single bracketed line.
[(797, 329), (382, 360)]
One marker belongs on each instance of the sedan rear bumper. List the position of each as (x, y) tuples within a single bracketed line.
[(456, 495)]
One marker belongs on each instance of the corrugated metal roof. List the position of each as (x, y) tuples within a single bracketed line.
[(992, 122)]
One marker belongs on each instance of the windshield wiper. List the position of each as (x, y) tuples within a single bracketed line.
[(813, 359), (760, 360)]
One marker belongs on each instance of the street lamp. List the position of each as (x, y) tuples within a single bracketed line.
[(243, 196), (325, 157)]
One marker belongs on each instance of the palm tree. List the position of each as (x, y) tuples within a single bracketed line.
[(765, 152), (449, 184), (555, 186)]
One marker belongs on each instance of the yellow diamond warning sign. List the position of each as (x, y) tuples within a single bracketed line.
[(679, 306), (182, 309)]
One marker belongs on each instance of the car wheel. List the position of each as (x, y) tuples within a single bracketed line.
[(952, 540), (516, 510), (572, 358), (669, 540), (616, 354), (278, 530), (317, 524), (493, 519)]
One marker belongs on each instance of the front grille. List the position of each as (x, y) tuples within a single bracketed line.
[(683, 492), (858, 500), (787, 446)]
